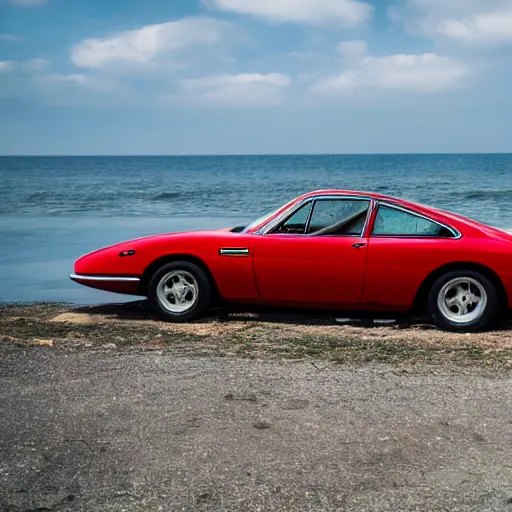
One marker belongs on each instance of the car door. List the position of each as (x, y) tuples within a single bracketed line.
[(304, 261), (403, 249)]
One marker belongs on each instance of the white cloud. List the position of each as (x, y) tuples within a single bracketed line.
[(75, 78), (244, 90), (353, 50), (485, 28), (10, 38), (145, 45), (472, 22), (32, 65), (81, 89), (301, 55), (345, 12), (5, 65), (31, 78), (421, 73), (27, 3), (92, 82), (35, 65)]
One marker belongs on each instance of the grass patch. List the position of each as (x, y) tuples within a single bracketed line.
[(95, 334), (133, 326), (354, 350)]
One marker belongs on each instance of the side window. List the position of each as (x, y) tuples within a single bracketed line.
[(296, 224), (339, 217), (392, 222)]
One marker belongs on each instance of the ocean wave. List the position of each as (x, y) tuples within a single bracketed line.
[(37, 196), (488, 194), (166, 195), (196, 193)]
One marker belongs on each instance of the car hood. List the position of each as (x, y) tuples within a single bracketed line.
[(130, 257), (167, 236)]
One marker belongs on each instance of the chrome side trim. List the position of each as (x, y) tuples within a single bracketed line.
[(234, 251), (288, 213), (79, 277), (456, 234)]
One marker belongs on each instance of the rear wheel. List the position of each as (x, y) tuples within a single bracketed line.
[(463, 301), (179, 292)]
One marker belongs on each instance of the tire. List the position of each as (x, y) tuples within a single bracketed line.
[(180, 292), (463, 301)]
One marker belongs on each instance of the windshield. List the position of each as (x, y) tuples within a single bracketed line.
[(268, 216), (260, 220)]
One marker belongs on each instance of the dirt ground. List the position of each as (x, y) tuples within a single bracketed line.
[(254, 334), (107, 409)]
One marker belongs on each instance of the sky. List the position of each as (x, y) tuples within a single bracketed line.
[(81, 77)]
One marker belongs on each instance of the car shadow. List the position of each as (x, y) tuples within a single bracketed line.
[(135, 310), (140, 310)]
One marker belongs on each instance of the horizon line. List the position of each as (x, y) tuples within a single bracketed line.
[(191, 155)]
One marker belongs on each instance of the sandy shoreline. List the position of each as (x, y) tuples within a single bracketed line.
[(264, 334)]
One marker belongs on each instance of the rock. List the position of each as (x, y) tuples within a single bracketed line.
[(11, 339), (44, 343), (203, 496), (295, 404), (261, 425), (241, 398)]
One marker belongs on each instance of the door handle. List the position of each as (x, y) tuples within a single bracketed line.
[(234, 251), (359, 246)]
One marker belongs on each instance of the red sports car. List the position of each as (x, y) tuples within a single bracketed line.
[(330, 249)]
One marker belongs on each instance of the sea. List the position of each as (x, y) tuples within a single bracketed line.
[(55, 209)]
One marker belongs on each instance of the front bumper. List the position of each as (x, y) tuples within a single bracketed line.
[(116, 284)]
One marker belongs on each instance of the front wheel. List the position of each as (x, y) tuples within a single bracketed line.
[(179, 292), (463, 301)]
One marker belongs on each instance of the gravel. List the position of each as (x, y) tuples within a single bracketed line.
[(112, 430)]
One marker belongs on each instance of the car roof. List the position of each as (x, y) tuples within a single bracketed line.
[(384, 198), (420, 208), (456, 220), (464, 225), (355, 193)]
